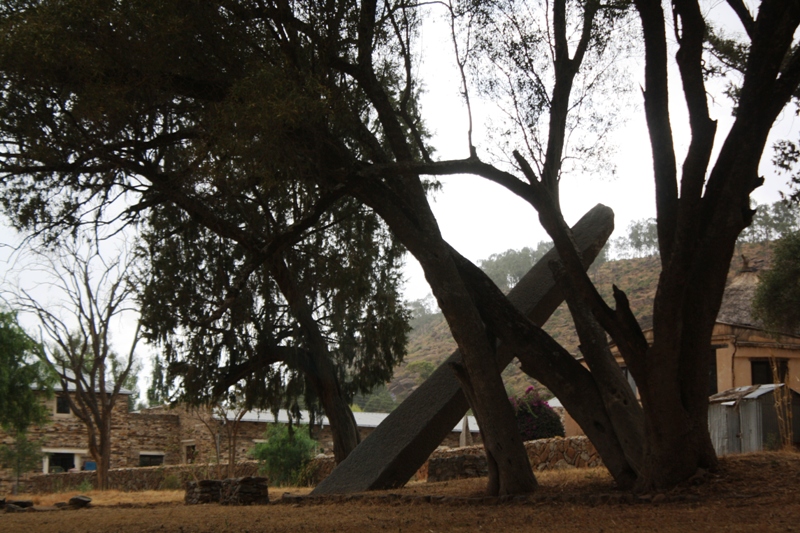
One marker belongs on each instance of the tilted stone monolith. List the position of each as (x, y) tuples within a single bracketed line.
[(402, 443)]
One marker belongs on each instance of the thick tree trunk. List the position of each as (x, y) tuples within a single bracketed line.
[(618, 443), (100, 450), (416, 227), (344, 430), (318, 367)]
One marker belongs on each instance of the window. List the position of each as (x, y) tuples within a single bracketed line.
[(151, 459), (189, 453), (761, 371), (62, 462), (62, 405)]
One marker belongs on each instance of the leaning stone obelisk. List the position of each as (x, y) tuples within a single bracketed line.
[(398, 447)]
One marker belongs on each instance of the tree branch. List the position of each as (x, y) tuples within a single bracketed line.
[(656, 104)]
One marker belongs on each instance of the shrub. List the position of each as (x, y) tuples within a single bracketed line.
[(171, 482), (284, 455), (535, 418)]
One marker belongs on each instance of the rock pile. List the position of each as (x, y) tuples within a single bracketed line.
[(245, 491), (233, 491), (80, 501), (203, 491)]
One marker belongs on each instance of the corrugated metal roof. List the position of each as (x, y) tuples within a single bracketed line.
[(363, 420), (71, 386), (749, 392)]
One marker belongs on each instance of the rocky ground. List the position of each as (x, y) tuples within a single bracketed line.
[(757, 492)]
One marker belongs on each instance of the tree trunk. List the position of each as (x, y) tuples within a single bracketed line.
[(103, 453), (416, 227), (614, 426), (344, 430), (318, 366)]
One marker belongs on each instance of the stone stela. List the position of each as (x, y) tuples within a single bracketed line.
[(398, 447)]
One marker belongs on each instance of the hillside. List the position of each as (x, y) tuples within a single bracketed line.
[(430, 342)]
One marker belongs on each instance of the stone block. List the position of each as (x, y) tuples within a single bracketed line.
[(399, 446), (244, 491)]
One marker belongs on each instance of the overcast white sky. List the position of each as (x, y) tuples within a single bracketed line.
[(479, 218)]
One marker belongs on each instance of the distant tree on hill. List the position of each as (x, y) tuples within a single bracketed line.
[(507, 268), (777, 299), (423, 311), (771, 222)]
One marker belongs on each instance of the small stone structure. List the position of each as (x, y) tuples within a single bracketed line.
[(245, 491), (233, 491), (543, 454), (203, 491)]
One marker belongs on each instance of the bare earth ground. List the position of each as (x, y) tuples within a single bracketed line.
[(755, 492)]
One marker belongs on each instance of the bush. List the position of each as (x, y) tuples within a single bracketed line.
[(171, 482), (284, 455), (535, 418)]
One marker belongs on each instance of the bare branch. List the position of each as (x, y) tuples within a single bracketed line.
[(744, 15)]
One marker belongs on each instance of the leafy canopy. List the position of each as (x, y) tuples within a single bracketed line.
[(777, 298), (21, 376)]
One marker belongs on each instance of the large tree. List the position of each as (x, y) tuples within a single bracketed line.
[(94, 293), (311, 326), (174, 101), (212, 180)]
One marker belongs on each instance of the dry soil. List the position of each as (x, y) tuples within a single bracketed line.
[(754, 493)]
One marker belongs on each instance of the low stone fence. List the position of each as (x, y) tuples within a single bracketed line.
[(141, 478), (444, 464), (457, 463)]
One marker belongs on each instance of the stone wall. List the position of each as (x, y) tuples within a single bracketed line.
[(444, 464), (142, 478), (573, 452), (179, 434)]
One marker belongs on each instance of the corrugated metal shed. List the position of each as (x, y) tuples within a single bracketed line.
[(744, 419)]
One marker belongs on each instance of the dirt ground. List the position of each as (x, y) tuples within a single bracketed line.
[(756, 492)]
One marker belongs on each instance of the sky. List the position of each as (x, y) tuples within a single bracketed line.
[(480, 218)]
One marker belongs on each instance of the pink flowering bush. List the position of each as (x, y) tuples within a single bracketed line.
[(535, 418)]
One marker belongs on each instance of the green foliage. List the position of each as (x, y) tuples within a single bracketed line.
[(507, 268), (85, 486), (641, 240), (535, 418), (20, 371), (284, 455), (771, 222), (423, 369), (777, 299), (423, 312), (22, 456), (218, 115), (171, 482), (379, 400)]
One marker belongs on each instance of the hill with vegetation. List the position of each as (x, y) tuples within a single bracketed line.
[(430, 342)]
